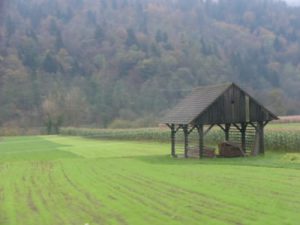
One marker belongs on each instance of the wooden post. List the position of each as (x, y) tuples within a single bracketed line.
[(186, 140), (201, 144), (261, 142), (227, 128), (173, 132), (243, 136)]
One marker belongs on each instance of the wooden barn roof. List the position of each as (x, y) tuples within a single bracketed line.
[(192, 106)]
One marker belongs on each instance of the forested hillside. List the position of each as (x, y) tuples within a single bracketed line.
[(104, 62)]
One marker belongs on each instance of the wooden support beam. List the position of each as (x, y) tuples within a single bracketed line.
[(237, 126), (186, 140), (261, 144), (191, 130), (266, 122), (177, 129), (173, 153), (208, 129), (201, 140), (219, 125), (227, 128), (253, 125), (243, 136), (170, 126)]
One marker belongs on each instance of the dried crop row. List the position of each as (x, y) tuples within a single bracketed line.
[(276, 138)]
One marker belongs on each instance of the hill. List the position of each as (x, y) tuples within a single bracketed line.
[(103, 63)]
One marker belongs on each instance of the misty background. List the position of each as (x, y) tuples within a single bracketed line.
[(293, 2), (123, 63)]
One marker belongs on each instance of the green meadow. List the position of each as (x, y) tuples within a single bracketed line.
[(73, 180)]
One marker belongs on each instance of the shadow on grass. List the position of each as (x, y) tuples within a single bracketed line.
[(271, 160), (32, 148)]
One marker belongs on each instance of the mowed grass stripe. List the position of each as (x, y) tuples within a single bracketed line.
[(253, 194), (154, 184), (83, 181), (235, 192), (192, 208), (40, 196), (89, 148), (131, 194), (112, 192), (127, 190), (207, 204)]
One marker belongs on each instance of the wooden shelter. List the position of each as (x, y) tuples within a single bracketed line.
[(226, 106)]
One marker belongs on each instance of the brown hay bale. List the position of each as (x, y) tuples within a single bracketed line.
[(207, 152), (230, 149)]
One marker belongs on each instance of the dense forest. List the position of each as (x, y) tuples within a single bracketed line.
[(114, 63)]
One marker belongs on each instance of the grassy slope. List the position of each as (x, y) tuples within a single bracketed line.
[(71, 180)]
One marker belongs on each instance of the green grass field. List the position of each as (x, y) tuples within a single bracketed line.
[(71, 180)]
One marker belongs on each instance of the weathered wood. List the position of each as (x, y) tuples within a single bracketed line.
[(173, 153), (255, 150), (237, 126), (191, 130), (261, 140), (177, 129), (186, 140), (227, 106), (201, 140), (234, 106), (266, 122), (253, 125), (220, 125), (208, 129), (227, 129), (243, 136)]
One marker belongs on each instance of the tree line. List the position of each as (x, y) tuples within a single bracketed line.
[(120, 63)]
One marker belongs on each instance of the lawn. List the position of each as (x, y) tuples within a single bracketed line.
[(72, 180)]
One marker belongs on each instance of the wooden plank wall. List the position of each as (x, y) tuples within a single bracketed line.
[(231, 108)]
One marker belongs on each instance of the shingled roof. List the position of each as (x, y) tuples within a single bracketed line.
[(195, 104)]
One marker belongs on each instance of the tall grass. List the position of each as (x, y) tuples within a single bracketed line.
[(147, 134), (275, 139), (284, 140), (119, 134)]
